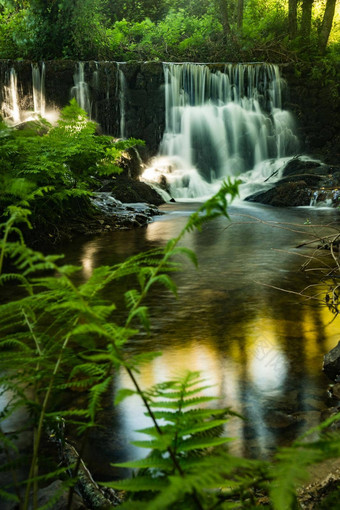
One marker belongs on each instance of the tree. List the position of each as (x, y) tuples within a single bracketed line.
[(292, 18), (223, 9), (240, 10), (306, 18), (326, 25)]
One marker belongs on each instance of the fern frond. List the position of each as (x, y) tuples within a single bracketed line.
[(152, 461), (122, 394), (139, 484), (186, 403), (290, 469), (96, 394), (202, 443), (8, 496)]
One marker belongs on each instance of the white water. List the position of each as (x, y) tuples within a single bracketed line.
[(13, 98), (81, 91), (38, 79), (219, 124), (121, 92), (10, 106)]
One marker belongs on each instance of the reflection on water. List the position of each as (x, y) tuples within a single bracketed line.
[(260, 348)]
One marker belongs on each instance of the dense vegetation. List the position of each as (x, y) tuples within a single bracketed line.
[(54, 168), (209, 30)]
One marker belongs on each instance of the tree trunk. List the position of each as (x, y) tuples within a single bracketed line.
[(222, 6), (326, 25), (240, 8), (306, 18), (292, 18)]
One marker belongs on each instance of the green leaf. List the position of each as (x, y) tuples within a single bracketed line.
[(122, 394), (141, 483), (148, 462), (288, 471), (202, 443)]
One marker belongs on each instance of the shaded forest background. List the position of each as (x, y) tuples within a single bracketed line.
[(171, 30)]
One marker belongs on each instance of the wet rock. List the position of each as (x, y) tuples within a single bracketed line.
[(128, 190), (331, 363), (304, 182), (298, 166), (286, 194)]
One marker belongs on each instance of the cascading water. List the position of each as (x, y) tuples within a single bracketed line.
[(121, 92), (38, 80), (81, 91), (10, 106), (224, 123)]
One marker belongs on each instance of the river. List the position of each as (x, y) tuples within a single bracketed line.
[(261, 348)]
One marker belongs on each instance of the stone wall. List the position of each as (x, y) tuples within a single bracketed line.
[(142, 99), (315, 104)]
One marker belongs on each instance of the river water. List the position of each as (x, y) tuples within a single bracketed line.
[(260, 347)]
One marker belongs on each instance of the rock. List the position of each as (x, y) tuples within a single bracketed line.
[(55, 491), (286, 194), (331, 363), (336, 391), (297, 166), (325, 482)]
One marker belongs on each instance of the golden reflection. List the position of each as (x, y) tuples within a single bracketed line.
[(88, 259), (162, 230), (173, 363), (266, 362)]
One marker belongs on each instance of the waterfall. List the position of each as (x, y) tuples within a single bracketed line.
[(121, 92), (224, 123), (38, 81), (10, 106), (81, 91)]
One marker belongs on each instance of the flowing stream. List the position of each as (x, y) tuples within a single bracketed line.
[(220, 124), (261, 348)]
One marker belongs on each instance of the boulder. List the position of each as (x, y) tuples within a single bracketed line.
[(301, 166), (331, 363), (285, 194)]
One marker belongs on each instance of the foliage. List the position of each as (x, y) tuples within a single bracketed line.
[(54, 167), (176, 29)]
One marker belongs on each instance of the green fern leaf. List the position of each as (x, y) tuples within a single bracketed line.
[(202, 427), (288, 471), (186, 403), (7, 496), (199, 443), (122, 394), (161, 443), (139, 484), (149, 462)]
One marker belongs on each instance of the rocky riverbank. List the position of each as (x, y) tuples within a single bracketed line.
[(301, 182)]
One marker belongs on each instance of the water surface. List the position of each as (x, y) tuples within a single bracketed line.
[(260, 347)]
